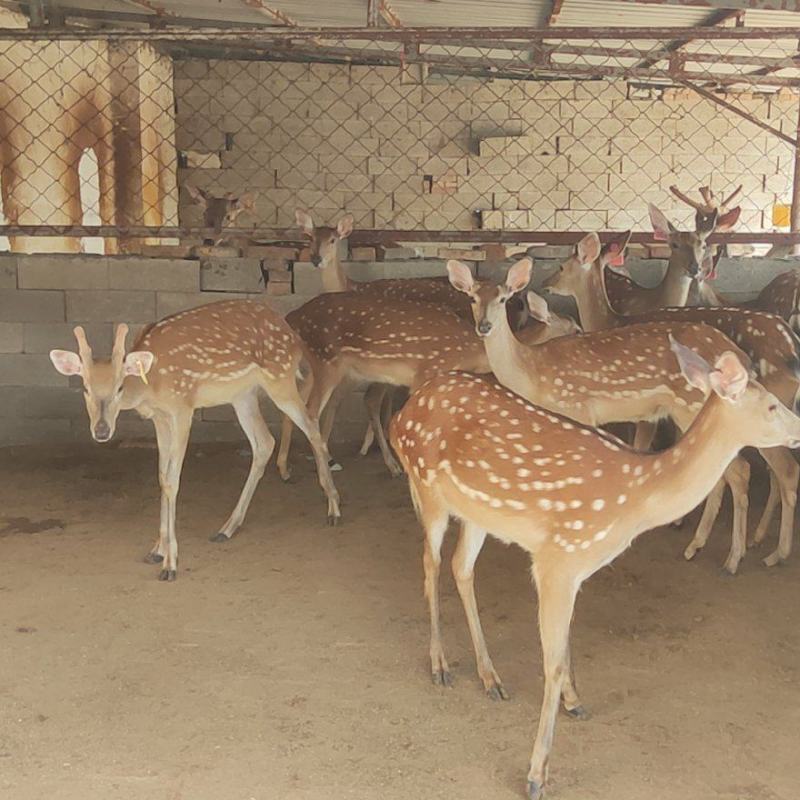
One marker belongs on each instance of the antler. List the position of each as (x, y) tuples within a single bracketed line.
[(84, 351), (118, 351), (710, 202)]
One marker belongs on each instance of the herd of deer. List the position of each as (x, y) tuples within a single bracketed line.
[(501, 430)]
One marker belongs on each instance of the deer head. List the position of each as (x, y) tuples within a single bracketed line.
[(570, 276), (323, 241), (489, 302), (103, 381), (769, 422), (221, 212)]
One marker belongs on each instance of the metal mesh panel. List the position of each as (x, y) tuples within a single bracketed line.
[(427, 133)]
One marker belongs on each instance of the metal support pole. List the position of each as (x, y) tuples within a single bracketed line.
[(37, 13), (794, 218)]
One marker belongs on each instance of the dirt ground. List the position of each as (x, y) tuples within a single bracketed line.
[(292, 661)]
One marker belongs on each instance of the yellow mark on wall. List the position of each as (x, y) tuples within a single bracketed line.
[(780, 216)]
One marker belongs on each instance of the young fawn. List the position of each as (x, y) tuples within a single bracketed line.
[(222, 353), (572, 496)]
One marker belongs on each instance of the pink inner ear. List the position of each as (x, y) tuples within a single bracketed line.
[(617, 260)]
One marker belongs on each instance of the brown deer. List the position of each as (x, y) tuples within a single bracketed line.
[(604, 377), (687, 261), (221, 212), (768, 341), (572, 496), (222, 353)]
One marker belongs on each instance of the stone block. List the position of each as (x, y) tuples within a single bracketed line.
[(24, 369), (42, 337), (110, 306), (62, 272), (8, 271), (11, 337), (154, 274), (42, 402), (231, 275), (31, 305)]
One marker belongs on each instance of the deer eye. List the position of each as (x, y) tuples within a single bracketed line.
[(333, 239), (773, 408)]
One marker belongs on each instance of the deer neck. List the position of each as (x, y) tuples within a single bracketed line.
[(507, 357), (334, 278), (674, 289), (673, 482), (134, 392), (594, 307)]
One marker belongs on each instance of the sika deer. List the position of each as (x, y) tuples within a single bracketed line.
[(768, 341), (220, 212), (572, 496), (603, 377), (226, 352)]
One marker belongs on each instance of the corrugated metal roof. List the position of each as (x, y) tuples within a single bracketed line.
[(472, 12), (602, 13)]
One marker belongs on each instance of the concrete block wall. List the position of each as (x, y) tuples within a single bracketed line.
[(525, 154)]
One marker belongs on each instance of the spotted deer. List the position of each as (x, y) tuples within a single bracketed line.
[(768, 341), (604, 377), (221, 211), (687, 261), (222, 353), (324, 253), (572, 496)]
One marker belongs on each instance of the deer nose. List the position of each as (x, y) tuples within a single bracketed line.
[(484, 326), (102, 431), (316, 260)]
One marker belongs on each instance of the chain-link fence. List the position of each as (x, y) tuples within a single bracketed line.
[(435, 133)]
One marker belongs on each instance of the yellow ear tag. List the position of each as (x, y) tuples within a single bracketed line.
[(142, 373)]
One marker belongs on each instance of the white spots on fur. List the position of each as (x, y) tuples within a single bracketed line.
[(598, 504)]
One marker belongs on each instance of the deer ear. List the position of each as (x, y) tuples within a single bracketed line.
[(588, 249), (304, 220), (138, 363), (460, 276), (198, 195), (728, 220), (729, 378), (345, 226), (247, 201), (695, 368), (613, 252), (66, 362), (519, 276), (661, 225), (538, 307)]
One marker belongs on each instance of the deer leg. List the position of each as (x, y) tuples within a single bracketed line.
[(769, 508), (433, 518), (374, 394), (470, 542), (180, 424), (644, 435), (374, 409), (287, 427), (710, 512), (262, 443), (288, 400), (556, 603), (737, 476), (787, 472), (159, 549)]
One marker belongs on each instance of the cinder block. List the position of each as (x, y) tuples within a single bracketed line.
[(10, 337), (231, 275), (62, 272), (8, 271), (42, 337), (110, 306), (154, 274), (286, 303), (23, 369), (34, 431), (30, 305), (37, 402)]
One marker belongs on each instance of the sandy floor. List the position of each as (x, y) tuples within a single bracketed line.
[(292, 661)]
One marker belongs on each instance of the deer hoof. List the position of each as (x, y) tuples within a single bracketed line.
[(153, 558), (334, 466), (497, 692), (579, 712), (535, 790), (219, 537), (167, 575), (442, 677), (333, 520)]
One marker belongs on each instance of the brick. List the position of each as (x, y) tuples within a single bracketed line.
[(8, 272), (110, 306), (62, 272), (167, 250), (36, 402), (492, 220), (23, 369), (462, 254), (42, 337), (30, 305), (231, 275), (159, 274), (279, 275), (11, 337)]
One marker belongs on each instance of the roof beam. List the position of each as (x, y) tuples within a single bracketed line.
[(741, 5), (389, 15), (158, 10), (554, 12), (274, 14)]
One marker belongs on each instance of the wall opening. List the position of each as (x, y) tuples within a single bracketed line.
[(89, 176)]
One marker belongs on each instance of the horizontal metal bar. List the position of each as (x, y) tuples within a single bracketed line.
[(368, 236), (434, 34), (762, 5)]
